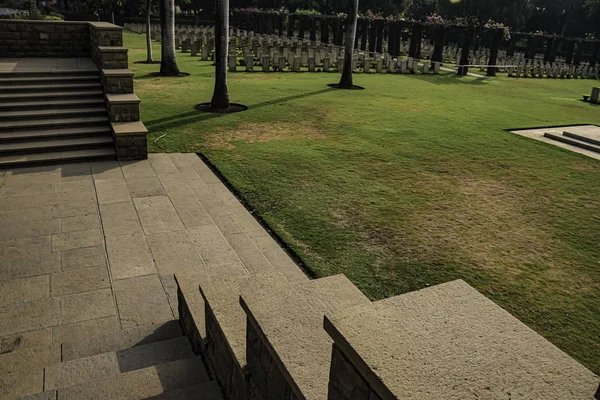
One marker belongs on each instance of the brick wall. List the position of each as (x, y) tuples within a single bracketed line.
[(44, 39)]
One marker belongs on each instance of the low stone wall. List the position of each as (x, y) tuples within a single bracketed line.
[(44, 39)]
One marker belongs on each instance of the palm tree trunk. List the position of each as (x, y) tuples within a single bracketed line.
[(351, 20), (168, 61), (149, 59), (220, 97)]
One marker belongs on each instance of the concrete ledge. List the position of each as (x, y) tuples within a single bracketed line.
[(123, 107), (447, 339), (105, 26), (117, 72), (130, 140), (113, 49), (127, 98)]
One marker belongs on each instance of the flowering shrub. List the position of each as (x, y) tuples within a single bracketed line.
[(306, 12), (246, 10), (491, 24), (435, 19), (369, 15)]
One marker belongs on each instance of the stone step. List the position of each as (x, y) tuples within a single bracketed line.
[(587, 139), (49, 95), (203, 391), (34, 80), (97, 100), (141, 383), (55, 73), (4, 88), (55, 144), (120, 340), (50, 133), (47, 395), (53, 123), (52, 113), (26, 160), (573, 142), (113, 363), (22, 371), (285, 329)]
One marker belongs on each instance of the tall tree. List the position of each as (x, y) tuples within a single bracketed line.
[(168, 60), (220, 99), (149, 59), (351, 21)]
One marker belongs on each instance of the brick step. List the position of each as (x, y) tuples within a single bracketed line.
[(113, 363), (52, 123), (142, 383), (27, 160), (573, 142), (49, 95), (55, 144), (120, 340), (52, 103), (36, 80), (49, 74), (582, 138), (4, 88), (53, 133), (29, 115)]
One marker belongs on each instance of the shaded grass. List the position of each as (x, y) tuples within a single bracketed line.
[(410, 183)]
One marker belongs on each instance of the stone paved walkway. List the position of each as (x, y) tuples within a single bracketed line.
[(92, 248)]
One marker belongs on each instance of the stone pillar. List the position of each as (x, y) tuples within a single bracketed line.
[(194, 49), (281, 63), (296, 64), (266, 63), (379, 24), (249, 63), (324, 29), (364, 32), (326, 64), (595, 95)]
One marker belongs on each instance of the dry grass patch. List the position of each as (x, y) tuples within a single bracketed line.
[(260, 132), (487, 223)]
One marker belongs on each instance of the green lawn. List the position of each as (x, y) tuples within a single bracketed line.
[(410, 183)]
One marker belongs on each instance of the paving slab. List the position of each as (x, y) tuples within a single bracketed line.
[(19, 341), (28, 214), (29, 316), (212, 245), (157, 214), (88, 305), (112, 191), (251, 257), (119, 219), (83, 257), (80, 222), (79, 280), (173, 183), (591, 131), (75, 240), (137, 169), (25, 229), (74, 209), (81, 370), (190, 211), (83, 329), (106, 170), (174, 252), (144, 187), (23, 290), (161, 163), (142, 301), (129, 256)]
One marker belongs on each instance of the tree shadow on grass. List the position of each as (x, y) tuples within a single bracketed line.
[(175, 121), (453, 79)]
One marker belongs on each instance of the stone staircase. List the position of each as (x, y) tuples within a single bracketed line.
[(153, 362), (588, 141), (50, 117)]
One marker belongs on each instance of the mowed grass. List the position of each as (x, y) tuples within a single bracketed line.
[(410, 183)]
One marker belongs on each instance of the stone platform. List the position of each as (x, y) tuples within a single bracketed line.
[(93, 248), (574, 143)]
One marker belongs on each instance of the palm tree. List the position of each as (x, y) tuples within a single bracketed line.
[(168, 61), (220, 99), (149, 59), (350, 37)]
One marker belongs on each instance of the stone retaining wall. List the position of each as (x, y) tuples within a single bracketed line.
[(44, 39)]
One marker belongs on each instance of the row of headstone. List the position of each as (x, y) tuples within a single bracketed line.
[(283, 53)]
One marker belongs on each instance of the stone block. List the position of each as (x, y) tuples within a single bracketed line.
[(129, 256), (142, 301), (89, 305)]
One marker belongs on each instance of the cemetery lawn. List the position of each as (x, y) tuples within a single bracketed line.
[(410, 183)]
